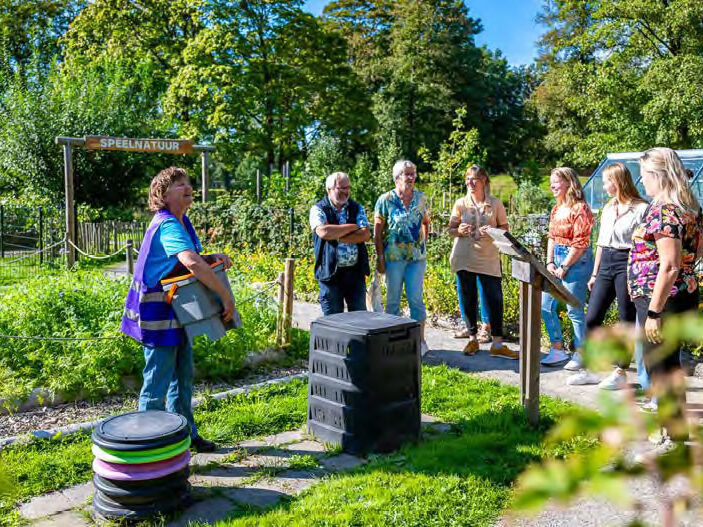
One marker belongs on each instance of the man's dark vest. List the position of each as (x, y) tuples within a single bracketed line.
[(326, 250)]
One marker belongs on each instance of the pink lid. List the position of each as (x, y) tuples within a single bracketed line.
[(142, 471)]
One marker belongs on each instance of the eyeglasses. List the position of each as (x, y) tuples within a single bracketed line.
[(472, 181)]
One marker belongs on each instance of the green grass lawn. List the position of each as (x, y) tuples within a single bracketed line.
[(462, 478)]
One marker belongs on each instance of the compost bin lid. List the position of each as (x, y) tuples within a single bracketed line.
[(140, 430), (366, 321)]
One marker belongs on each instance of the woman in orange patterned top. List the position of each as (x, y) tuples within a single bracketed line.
[(569, 258)]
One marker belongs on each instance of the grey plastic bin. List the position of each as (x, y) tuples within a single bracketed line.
[(198, 309)]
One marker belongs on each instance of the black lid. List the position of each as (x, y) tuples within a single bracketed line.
[(155, 491), (140, 430), (366, 321), (116, 487), (108, 508)]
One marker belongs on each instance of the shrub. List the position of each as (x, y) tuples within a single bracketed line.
[(88, 304)]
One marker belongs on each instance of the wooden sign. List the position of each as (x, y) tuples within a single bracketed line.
[(526, 266), (167, 146)]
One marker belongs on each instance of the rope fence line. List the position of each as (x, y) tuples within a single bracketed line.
[(34, 253), (95, 257)]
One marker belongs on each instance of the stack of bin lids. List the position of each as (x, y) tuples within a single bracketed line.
[(138, 431)]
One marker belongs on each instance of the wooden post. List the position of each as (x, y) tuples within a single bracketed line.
[(2, 232), (279, 318), (41, 236), (130, 258), (70, 211), (287, 322), (204, 167), (532, 349), (258, 185)]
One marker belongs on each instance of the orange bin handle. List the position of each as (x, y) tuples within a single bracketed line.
[(172, 291)]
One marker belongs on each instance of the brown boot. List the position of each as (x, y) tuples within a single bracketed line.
[(504, 352), (471, 347)]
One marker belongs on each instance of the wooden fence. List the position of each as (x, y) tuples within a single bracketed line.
[(107, 237)]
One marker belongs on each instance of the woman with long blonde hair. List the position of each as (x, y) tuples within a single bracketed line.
[(661, 269), (569, 259), (623, 212)]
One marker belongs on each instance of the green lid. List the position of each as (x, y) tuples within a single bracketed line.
[(141, 456)]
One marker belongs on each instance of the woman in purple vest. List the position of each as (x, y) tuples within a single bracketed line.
[(149, 319)]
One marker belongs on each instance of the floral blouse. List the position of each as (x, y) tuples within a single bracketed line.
[(402, 239), (572, 229), (663, 220)]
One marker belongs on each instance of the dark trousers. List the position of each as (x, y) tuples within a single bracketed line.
[(347, 285), (493, 291), (679, 303), (610, 284)]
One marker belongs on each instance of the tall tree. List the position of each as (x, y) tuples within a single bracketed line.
[(620, 75), (267, 77)]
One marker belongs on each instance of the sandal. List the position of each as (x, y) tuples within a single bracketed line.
[(484, 336), (462, 334)]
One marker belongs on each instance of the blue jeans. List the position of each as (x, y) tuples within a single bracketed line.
[(642, 375), (412, 274), (348, 284), (575, 281), (483, 303), (168, 378)]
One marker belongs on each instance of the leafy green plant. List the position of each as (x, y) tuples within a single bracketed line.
[(86, 304)]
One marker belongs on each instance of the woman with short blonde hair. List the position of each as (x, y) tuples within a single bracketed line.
[(570, 260)]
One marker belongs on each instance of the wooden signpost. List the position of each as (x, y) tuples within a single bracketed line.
[(125, 144), (534, 278)]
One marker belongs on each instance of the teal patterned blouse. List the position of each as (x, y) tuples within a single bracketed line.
[(401, 234)]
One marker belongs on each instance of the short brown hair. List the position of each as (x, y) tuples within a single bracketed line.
[(159, 185)]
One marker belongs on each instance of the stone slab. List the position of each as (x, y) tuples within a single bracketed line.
[(284, 438), (295, 481), (272, 459), (257, 495), (207, 458), (207, 512), (222, 476), (55, 502), (342, 462), (308, 447), (64, 519)]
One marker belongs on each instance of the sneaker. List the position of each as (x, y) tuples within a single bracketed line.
[(504, 352), (582, 377), (462, 334), (201, 444), (423, 348), (555, 358), (471, 347), (576, 362), (615, 381), (652, 407)]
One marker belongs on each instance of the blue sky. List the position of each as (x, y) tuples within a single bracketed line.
[(508, 25)]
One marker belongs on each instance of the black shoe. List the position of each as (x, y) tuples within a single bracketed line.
[(202, 445)]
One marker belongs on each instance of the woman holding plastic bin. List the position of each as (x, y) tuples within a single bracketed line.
[(169, 240)]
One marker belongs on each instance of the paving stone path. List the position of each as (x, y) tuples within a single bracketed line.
[(255, 473)]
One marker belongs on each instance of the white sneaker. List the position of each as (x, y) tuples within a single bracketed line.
[(555, 358), (652, 407), (576, 362), (423, 348), (582, 377), (615, 381)]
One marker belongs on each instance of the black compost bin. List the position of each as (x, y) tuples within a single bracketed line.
[(364, 385)]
